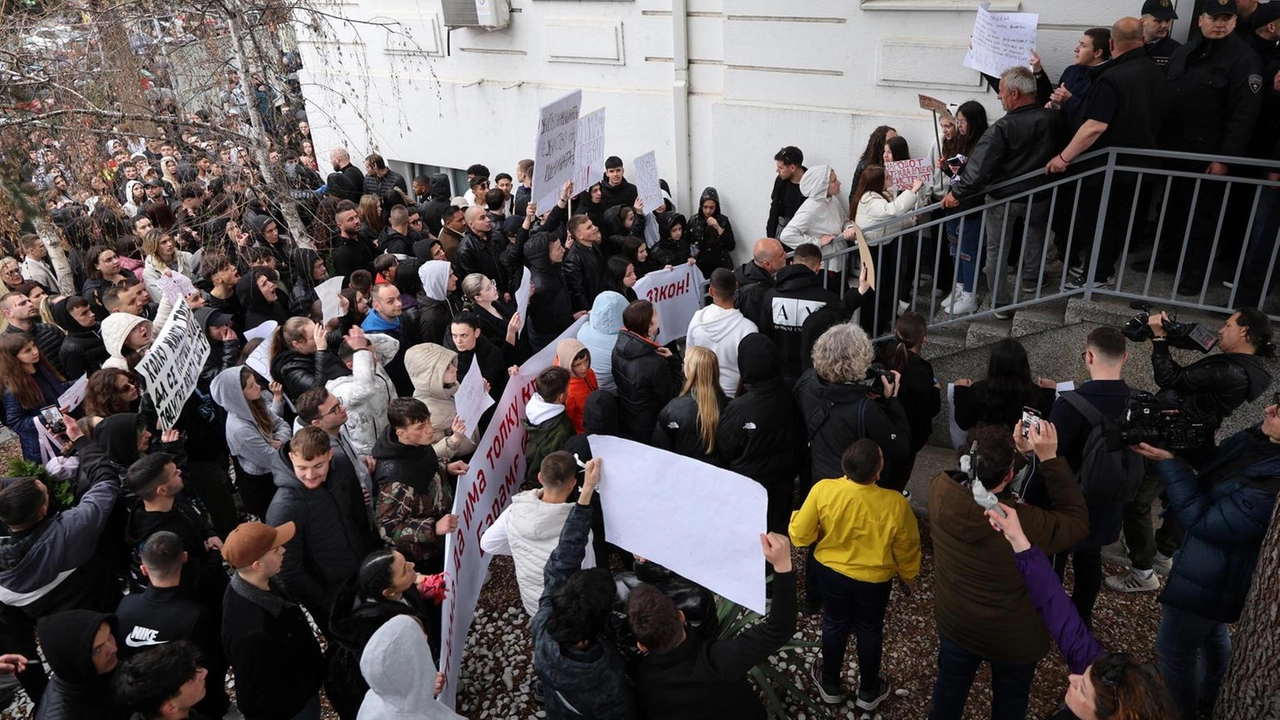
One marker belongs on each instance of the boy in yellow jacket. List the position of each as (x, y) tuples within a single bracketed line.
[(866, 535)]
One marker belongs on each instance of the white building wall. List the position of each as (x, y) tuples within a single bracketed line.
[(818, 74)]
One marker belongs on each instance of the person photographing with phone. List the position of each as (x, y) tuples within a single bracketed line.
[(978, 588), (31, 387)]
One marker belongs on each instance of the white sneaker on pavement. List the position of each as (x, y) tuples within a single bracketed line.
[(966, 303), (1132, 581)]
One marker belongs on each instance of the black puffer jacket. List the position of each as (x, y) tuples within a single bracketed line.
[(76, 691), (333, 534), (646, 383), (1023, 140), (583, 274), (203, 578), (433, 208), (550, 307), (484, 255), (1214, 385), (761, 435), (299, 373), (679, 430), (837, 414)]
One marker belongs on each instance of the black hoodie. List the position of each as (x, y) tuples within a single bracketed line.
[(82, 351), (761, 435), (433, 208), (303, 293), (714, 248), (623, 194), (76, 691), (797, 293)]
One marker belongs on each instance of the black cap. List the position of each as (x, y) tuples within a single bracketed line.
[(154, 182), (1161, 9), (1266, 14), (1219, 7)]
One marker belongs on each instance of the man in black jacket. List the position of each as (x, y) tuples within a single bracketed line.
[(1157, 20), (24, 316), (797, 293), (482, 250), (615, 190), (80, 647), (433, 205), (334, 531), (583, 263), (160, 615), (786, 197), (688, 677), (275, 656), (382, 182), (398, 238), (755, 277), (1020, 142), (354, 179), (350, 253)]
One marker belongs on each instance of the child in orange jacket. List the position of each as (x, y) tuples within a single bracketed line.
[(576, 358)]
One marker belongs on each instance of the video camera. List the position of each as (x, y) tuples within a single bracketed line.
[(1160, 423), (876, 371), (1185, 336)]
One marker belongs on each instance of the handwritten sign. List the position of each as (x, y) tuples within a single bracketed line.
[(932, 103), (646, 178), (1001, 41), (328, 292), (676, 295), (71, 399), (176, 287), (471, 400), (905, 172), (172, 365), (523, 291), (553, 162), (588, 159)]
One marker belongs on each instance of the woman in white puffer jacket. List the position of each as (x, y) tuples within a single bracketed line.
[(821, 221), (875, 203)]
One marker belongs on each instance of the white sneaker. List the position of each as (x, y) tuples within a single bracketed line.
[(964, 304), (946, 301), (1132, 581), (1162, 565), (903, 306)]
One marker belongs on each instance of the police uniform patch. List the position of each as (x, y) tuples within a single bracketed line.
[(1255, 83)]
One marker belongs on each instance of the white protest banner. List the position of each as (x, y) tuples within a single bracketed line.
[(523, 290), (646, 179), (676, 294), (472, 400), (588, 158), (176, 286), (904, 172), (711, 518), (328, 292), (260, 358), (171, 366), (74, 395), (1001, 41), (497, 470), (554, 153)]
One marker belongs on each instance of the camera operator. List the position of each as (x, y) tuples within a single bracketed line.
[(1225, 508), (1218, 384), (1212, 387)]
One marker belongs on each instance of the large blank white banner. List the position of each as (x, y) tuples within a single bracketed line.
[(693, 518)]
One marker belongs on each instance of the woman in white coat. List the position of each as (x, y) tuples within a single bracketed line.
[(875, 203), (821, 221)]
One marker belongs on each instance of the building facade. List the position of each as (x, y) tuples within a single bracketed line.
[(716, 87)]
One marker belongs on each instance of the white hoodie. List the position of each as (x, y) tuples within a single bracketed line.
[(720, 330), (397, 664), (528, 530), (820, 215)]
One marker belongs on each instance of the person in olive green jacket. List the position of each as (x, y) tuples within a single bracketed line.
[(546, 422)]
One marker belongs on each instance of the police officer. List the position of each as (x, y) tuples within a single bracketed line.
[(1214, 91), (1157, 21)]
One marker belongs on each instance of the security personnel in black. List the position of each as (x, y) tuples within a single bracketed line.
[(1215, 83), (1265, 38), (1157, 20), (1245, 21)]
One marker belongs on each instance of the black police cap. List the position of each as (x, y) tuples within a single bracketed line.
[(1161, 9)]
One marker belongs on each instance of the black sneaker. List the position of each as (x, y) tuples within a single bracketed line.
[(830, 694), (812, 606), (871, 700)]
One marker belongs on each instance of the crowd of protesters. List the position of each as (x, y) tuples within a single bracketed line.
[(306, 487)]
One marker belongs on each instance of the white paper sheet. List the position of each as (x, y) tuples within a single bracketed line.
[(74, 395), (710, 519), (1001, 41), (522, 297), (260, 358), (328, 292), (588, 159), (176, 286), (471, 400), (645, 168), (557, 142)]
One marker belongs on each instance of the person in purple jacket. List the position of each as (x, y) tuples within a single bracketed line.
[(1103, 685)]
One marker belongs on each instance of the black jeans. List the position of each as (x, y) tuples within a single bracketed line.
[(1088, 567), (1010, 684), (850, 605), (1139, 533)]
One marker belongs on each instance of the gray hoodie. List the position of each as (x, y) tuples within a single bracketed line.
[(245, 440), (397, 665)]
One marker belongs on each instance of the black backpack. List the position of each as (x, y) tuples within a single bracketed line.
[(1106, 476)]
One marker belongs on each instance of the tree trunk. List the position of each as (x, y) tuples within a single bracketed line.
[(1251, 689), (271, 174)]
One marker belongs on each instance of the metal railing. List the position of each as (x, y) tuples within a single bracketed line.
[(1100, 216)]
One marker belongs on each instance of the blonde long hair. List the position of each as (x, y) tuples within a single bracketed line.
[(702, 380)]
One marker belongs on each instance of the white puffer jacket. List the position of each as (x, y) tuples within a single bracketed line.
[(875, 208), (528, 531), (367, 392)]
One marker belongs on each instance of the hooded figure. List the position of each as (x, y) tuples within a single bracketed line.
[(257, 309), (222, 353), (600, 335), (256, 223), (427, 365), (821, 214), (397, 665), (303, 293), (550, 308), (671, 250), (583, 203), (713, 243), (435, 308), (614, 230), (82, 351), (720, 330), (247, 442), (77, 690), (436, 202), (580, 388), (115, 329), (131, 208)]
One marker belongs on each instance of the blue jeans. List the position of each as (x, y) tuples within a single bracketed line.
[(850, 605), (964, 245), (1193, 652), (1010, 684)]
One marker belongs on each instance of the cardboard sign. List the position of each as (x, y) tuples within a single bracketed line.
[(497, 470), (646, 180), (557, 143), (905, 172), (676, 295), (588, 159), (864, 252), (172, 365), (260, 358), (932, 103), (1001, 41)]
